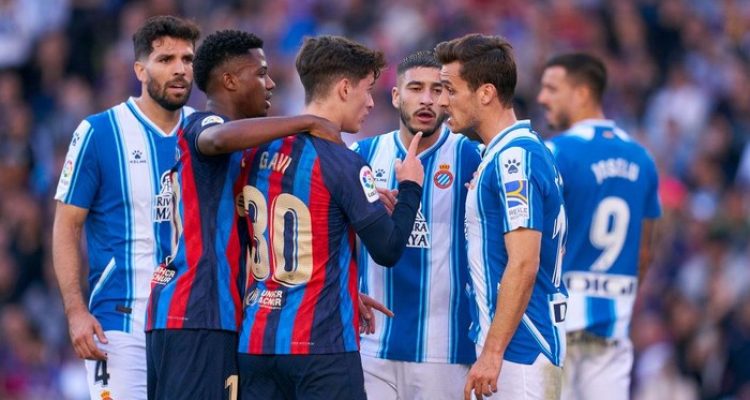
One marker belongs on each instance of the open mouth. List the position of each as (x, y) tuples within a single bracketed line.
[(425, 116)]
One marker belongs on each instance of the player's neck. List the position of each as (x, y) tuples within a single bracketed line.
[(325, 110), (494, 123), (165, 119), (585, 113), (223, 107), (425, 143)]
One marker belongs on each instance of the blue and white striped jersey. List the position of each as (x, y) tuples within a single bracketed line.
[(117, 167), (610, 185), (518, 186), (426, 289)]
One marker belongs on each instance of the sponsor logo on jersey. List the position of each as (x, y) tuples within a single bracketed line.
[(600, 284), (163, 201), (367, 181), (212, 119), (420, 232), (380, 176), (162, 275), (270, 299), (137, 157), (443, 178)]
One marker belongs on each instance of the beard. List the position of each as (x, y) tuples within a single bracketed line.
[(406, 120), (159, 94), (562, 123)]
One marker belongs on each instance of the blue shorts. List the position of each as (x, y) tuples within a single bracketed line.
[(310, 377), (192, 364)]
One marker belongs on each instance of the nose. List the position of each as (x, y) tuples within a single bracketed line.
[(427, 98), (370, 102), (270, 84), (181, 68), (443, 99)]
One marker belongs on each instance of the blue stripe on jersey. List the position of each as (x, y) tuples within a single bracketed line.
[(124, 184), (303, 157), (346, 308), (456, 236), (78, 163)]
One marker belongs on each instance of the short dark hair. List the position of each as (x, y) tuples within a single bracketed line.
[(323, 59), (218, 48), (162, 26), (583, 69), (422, 58), (484, 59)]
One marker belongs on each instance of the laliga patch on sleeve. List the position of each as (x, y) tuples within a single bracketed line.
[(367, 180), (212, 119)]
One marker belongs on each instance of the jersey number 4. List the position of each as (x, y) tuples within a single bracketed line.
[(609, 227), (288, 260)]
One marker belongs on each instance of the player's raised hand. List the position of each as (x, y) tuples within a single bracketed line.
[(410, 169), (325, 129), (83, 326)]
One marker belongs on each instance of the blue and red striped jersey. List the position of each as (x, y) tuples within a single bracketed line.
[(305, 198), (200, 284)]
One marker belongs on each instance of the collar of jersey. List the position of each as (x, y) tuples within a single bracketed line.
[(520, 124), (595, 122), (140, 116), (444, 133)]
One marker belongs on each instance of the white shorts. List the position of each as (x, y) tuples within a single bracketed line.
[(123, 375), (541, 380), (391, 380), (597, 369)]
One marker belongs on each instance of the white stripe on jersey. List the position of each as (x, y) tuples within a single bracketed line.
[(79, 142), (430, 247)]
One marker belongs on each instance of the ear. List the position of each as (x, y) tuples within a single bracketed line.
[(487, 93), (395, 97), (343, 88), (140, 71), (229, 81)]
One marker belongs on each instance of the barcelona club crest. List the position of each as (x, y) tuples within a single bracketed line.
[(443, 178)]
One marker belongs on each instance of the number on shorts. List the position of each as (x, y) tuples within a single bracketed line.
[(232, 383), (100, 373)]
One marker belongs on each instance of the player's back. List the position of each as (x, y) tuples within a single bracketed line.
[(304, 196), (610, 186)]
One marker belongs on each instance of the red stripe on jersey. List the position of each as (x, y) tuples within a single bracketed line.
[(233, 247), (353, 278), (320, 200), (274, 189), (248, 157), (192, 237)]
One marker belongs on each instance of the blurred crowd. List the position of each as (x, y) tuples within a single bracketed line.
[(679, 83)]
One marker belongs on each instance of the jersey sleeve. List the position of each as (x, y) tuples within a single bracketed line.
[(80, 176), (653, 204), (520, 190), (199, 123), (352, 186)]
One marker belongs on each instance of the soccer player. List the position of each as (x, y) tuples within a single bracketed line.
[(114, 181), (421, 350), (195, 307), (515, 227), (306, 198), (610, 188)]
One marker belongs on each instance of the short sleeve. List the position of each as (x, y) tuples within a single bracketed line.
[(520, 191), (198, 123), (79, 179)]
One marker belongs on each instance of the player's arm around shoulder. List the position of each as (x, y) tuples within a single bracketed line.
[(227, 137)]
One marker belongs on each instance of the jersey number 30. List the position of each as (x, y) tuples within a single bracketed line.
[(290, 231)]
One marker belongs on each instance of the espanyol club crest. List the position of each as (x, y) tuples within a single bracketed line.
[(443, 178)]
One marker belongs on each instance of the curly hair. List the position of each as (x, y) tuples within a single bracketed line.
[(324, 59), (484, 59), (218, 48), (162, 26)]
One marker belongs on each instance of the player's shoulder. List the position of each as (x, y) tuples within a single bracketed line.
[(369, 144), (332, 153)]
